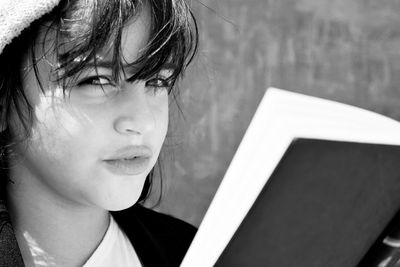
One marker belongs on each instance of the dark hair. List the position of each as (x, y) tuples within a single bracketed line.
[(77, 36)]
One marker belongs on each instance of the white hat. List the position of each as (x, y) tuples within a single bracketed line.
[(16, 15)]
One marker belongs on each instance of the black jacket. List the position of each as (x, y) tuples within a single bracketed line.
[(159, 240)]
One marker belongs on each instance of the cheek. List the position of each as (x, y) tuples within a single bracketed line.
[(165, 116), (60, 131), (55, 149), (162, 117), (61, 150), (57, 127)]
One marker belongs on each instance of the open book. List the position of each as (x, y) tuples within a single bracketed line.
[(313, 183)]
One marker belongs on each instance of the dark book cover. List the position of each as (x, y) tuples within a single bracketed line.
[(326, 204)]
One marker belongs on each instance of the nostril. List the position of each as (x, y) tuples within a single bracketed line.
[(131, 131), (127, 125), (134, 124)]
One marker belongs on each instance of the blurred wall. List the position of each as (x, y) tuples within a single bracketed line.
[(338, 49)]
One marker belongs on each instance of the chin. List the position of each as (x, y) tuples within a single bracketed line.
[(120, 198), (118, 193), (121, 204)]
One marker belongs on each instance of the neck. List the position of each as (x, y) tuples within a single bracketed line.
[(50, 230)]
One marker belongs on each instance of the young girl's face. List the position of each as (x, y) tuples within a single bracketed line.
[(95, 145)]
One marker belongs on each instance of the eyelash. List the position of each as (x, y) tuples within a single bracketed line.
[(91, 81), (157, 84)]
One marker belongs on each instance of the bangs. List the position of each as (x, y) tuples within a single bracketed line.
[(85, 28)]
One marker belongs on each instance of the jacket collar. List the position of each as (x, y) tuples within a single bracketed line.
[(9, 250)]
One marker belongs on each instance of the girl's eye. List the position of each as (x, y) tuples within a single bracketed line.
[(157, 82), (159, 85), (96, 86), (96, 80)]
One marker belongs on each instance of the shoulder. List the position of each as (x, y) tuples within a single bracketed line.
[(159, 239)]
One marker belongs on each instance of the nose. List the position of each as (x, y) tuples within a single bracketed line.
[(135, 115)]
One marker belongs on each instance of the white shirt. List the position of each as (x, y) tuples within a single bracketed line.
[(114, 250)]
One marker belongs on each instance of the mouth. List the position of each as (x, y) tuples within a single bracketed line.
[(132, 160)]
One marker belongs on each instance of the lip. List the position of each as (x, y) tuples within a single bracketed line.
[(130, 160)]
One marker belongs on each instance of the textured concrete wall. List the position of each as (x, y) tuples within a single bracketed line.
[(338, 49)]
